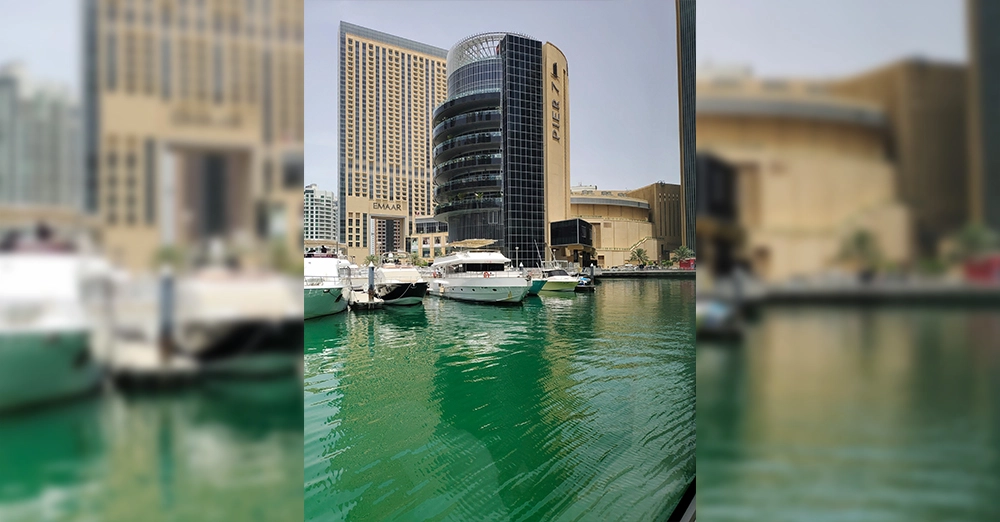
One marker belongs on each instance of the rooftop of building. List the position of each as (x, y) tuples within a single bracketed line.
[(389, 39), (734, 90), (29, 87)]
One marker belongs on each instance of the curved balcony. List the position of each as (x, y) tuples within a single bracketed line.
[(466, 164), (469, 205), (468, 143), (492, 182), (473, 101), (472, 121)]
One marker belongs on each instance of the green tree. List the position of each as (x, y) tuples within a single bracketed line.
[(682, 253), (168, 255), (861, 249), (371, 258), (640, 256), (974, 240)]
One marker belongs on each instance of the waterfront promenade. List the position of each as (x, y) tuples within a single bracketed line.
[(912, 291), (646, 273)]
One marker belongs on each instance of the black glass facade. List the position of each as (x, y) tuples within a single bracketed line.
[(488, 141), (524, 146), (572, 232), (686, 77), (985, 55)]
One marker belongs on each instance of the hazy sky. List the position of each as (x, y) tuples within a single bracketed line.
[(622, 71), (825, 38), (621, 55), (45, 36)]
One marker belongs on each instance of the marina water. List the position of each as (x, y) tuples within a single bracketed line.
[(564, 407), (852, 413), (225, 450)]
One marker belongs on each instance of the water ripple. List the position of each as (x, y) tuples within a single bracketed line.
[(576, 407)]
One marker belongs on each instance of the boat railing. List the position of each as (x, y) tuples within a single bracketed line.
[(510, 272), (320, 280)]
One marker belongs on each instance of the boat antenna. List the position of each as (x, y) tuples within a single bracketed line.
[(537, 253)]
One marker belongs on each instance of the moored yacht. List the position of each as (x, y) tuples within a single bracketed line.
[(558, 280), (400, 286), (46, 331), (478, 276), (325, 290)]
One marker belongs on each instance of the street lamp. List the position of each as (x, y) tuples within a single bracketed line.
[(516, 249)]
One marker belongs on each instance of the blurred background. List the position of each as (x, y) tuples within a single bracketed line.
[(151, 168), (849, 264)]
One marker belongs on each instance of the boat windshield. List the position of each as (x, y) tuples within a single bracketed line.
[(478, 267), (556, 272)]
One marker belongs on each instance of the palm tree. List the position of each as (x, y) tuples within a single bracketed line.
[(683, 253), (371, 258), (861, 250), (639, 256)]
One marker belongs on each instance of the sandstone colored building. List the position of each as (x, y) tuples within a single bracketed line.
[(649, 218), (193, 127), (389, 87), (812, 170)]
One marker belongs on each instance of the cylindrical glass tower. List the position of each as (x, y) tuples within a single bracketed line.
[(468, 142)]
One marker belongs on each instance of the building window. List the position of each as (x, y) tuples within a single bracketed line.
[(150, 184), (217, 69), (165, 69), (112, 62), (130, 65), (148, 78)]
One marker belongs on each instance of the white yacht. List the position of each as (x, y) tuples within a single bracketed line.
[(558, 280), (46, 331), (397, 282), (479, 276), (326, 285)]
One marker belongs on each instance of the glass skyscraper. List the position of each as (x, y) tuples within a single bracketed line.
[(501, 143)]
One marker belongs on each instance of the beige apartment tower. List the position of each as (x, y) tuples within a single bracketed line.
[(193, 127), (388, 88)]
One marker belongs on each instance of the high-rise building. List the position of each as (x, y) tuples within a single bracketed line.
[(501, 143), (984, 112), (40, 152), (685, 10), (319, 214), (193, 126), (389, 87)]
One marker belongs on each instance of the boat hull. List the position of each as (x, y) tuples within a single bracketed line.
[(402, 293), (536, 286), (556, 285), (38, 367), (319, 302), (482, 290)]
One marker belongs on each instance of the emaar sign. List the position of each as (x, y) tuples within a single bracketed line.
[(398, 207)]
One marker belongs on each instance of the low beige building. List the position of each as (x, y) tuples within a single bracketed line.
[(648, 218), (430, 238), (812, 170)]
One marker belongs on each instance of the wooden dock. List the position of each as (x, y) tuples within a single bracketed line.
[(361, 300)]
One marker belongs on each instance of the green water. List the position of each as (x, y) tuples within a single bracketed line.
[(566, 407), (229, 450), (837, 414)]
